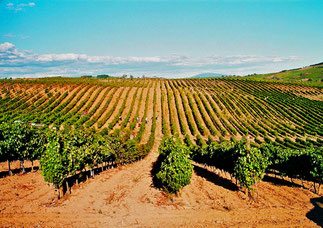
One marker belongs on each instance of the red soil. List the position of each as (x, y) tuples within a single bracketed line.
[(125, 196)]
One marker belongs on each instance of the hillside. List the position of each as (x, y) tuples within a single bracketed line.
[(208, 75), (313, 73), (122, 193), (221, 108)]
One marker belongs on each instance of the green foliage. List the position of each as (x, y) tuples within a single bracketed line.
[(176, 168), (306, 164), (246, 165), (103, 76), (312, 74), (20, 142), (222, 107), (116, 118), (54, 162), (70, 151), (250, 167)]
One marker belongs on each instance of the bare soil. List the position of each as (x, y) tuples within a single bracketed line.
[(111, 104), (125, 197), (149, 115), (117, 108), (98, 99)]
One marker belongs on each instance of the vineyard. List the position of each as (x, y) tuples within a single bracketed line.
[(244, 127), (217, 108)]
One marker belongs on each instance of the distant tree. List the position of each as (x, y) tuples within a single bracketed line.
[(131, 76), (103, 76)]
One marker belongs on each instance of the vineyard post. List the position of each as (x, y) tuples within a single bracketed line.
[(91, 172), (68, 188), (23, 166), (60, 192), (314, 187), (10, 172), (256, 188)]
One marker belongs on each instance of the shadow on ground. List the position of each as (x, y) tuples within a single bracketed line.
[(155, 169), (16, 171), (280, 182), (215, 179), (83, 176), (316, 214)]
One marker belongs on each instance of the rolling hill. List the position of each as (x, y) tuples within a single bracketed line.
[(312, 73), (217, 108), (208, 75), (202, 112)]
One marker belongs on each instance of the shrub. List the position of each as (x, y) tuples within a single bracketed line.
[(250, 167), (176, 168)]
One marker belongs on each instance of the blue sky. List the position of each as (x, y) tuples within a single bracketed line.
[(158, 38)]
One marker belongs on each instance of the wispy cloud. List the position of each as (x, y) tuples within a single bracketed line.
[(20, 6), (11, 35), (23, 37), (14, 62), (8, 35)]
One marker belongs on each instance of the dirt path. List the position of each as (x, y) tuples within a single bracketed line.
[(124, 197)]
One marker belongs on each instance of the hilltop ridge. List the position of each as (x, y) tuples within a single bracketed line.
[(312, 73)]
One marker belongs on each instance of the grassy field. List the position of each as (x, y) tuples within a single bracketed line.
[(312, 74)]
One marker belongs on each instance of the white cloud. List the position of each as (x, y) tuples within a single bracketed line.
[(5, 47), (22, 63), (31, 4), (20, 6)]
